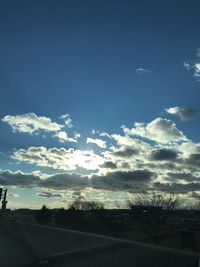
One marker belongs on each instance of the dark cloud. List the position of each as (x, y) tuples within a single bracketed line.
[(19, 179), (49, 194), (163, 165), (126, 152), (119, 180), (125, 165), (186, 176), (194, 159), (178, 187), (122, 180), (56, 181), (109, 165), (188, 114), (65, 181), (163, 154), (184, 114)]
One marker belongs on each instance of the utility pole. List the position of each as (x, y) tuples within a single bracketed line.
[(3, 195)]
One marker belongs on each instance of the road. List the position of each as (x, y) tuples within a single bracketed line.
[(33, 245)]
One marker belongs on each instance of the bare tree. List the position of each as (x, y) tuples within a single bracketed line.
[(151, 211), (81, 204)]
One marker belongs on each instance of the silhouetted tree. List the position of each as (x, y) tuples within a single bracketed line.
[(44, 215), (81, 204), (151, 212)]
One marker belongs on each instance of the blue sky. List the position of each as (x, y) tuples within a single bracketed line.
[(105, 64)]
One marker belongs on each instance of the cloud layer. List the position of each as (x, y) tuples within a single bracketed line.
[(149, 155), (129, 181)]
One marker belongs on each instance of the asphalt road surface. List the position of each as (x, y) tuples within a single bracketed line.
[(33, 245)]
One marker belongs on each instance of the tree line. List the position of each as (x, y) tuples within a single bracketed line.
[(149, 212)]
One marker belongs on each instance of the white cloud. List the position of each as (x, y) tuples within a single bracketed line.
[(94, 132), (99, 142), (183, 113), (104, 134), (63, 137), (49, 194), (189, 148), (77, 135), (195, 67), (67, 119), (197, 71), (31, 123), (159, 130), (133, 143), (187, 65), (59, 158), (141, 71)]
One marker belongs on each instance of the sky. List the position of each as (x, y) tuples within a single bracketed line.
[(98, 99)]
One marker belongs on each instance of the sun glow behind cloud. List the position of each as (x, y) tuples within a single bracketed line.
[(128, 162)]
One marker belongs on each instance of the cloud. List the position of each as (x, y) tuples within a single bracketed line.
[(32, 155), (195, 195), (77, 135), (104, 134), (31, 123), (125, 152), (18, 178), (120, 180), (59, 158), (65, 181), (163, 154), (48, 194), (177, 187), (131, 162), (55, 181), (133, 143), (13, 195), (194, 159), (184, 114), (195, 67), (67, 119), (99, 142), (63, 137), (128, 152), (141, 71), (109, 165), (159, 130), (94, 132), (128, 181), (197, 71), (187, 66), (183, 176)]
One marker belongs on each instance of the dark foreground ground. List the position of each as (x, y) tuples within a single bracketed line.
[(181, 231), (23, 244)]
